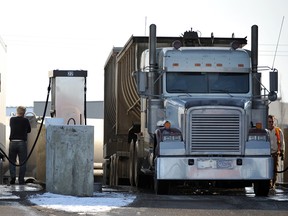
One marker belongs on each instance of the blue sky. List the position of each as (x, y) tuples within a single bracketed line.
[(79, 34)]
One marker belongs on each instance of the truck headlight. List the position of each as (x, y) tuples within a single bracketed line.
[(257, 138), (256, 134), (171, 138)]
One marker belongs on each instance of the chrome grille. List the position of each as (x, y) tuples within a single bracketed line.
[(215, 133)]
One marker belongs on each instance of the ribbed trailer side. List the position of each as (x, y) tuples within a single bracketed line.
[(122, 103), (128, 61), (128, 100), (110, 99)]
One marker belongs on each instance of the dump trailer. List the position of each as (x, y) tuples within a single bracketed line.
[(187, 111)]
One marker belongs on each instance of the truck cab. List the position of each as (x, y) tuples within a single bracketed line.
[(198, 112), (208, 94)]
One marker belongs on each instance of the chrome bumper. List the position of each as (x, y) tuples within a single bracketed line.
[(214, 168)]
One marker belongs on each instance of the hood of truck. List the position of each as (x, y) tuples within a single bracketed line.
[(206, 122)]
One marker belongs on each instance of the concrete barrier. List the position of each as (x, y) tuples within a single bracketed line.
[(70, 159)]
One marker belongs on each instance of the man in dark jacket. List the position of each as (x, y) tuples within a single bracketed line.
[(19, 128)]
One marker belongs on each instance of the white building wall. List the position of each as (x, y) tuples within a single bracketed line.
[(280, 110), (3, 60)]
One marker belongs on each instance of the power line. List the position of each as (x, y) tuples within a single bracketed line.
[(278, 41)]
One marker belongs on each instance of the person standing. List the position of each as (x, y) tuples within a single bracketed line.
[(277, 145), (19, 129)]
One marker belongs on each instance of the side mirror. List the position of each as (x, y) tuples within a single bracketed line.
[(272, 96), (141, 81), (274, 81)]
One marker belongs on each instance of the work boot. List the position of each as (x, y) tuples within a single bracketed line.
[(21, 181), (12, 181), (272, 184)]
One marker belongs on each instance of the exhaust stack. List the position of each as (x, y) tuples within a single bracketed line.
[(152, 59), (154, 104), (254, 59)]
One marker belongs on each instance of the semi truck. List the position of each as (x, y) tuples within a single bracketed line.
[(187, 111)]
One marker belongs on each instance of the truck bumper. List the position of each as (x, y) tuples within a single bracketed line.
[(214, 168)]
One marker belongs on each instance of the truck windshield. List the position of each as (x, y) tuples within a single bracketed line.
[(207, 82)]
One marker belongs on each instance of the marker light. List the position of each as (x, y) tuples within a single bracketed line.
[(259, 125)]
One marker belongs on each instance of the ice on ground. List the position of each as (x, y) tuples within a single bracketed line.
[(104, 201)]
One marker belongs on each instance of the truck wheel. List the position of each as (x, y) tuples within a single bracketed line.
[(116, 172), (112, 168), (131, 163), (261, 187), (161, 187), (139, 178), (106, 172)]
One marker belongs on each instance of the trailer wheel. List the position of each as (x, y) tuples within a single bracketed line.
[(131, 163), (106, 172), (112, 171), (139, 178), (116, 172), (261, 187)]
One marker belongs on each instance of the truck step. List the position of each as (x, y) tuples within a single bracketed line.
[(98, 166), (147, 171)]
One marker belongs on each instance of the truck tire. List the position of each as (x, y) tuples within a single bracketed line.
[(116, 170), (139, 177), (106, 172), (131, 163), (261, 187), (112, 172), (161, 187)]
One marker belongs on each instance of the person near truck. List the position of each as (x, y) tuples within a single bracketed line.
[(277, 146), (19, 129)]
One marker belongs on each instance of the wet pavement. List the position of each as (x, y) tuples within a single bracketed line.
[(18, 192), (14, 198)]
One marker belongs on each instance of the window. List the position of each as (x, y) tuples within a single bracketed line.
[(207, 82)]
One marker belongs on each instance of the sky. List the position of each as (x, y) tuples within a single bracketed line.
[(44, 35)]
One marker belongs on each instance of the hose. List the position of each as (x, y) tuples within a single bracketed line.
[(282, 159), (39, 131), (68, 122), (282, 170)]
